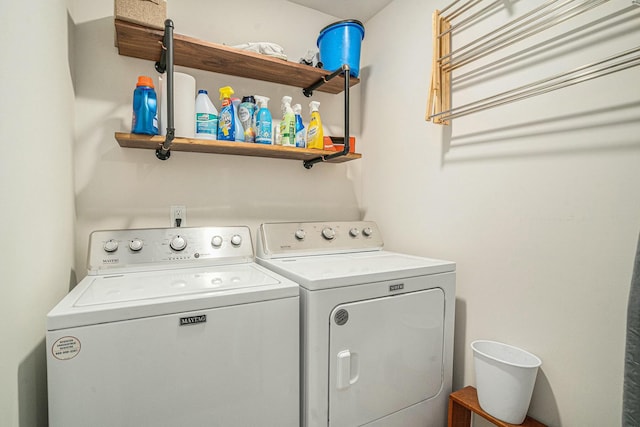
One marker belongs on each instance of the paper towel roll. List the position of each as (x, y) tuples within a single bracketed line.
[(184, 107)]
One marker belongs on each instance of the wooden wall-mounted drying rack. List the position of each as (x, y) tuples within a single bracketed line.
[(551, 13)]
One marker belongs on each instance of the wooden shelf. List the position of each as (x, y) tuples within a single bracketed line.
[(145, 43), (465, 401), (130, 140)]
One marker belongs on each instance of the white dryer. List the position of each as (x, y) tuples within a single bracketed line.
[(376, 326), (175, 327)]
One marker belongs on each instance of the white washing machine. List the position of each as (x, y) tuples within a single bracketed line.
[(175, 327), (376, 326)]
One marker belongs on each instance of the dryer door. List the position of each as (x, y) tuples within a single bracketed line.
[(385, 355)]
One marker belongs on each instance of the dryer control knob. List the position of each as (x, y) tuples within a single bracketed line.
[(216, 241), (110, 245), (354, 232), (328, 233), (236, 240), (367, 231), (300, 234), (135, 245), (178, 243)]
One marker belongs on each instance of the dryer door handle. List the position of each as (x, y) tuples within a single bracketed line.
[(346, 369)]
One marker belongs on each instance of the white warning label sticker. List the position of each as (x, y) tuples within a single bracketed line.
[(65, 348)]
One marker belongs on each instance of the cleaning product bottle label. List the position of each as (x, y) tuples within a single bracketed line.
[(206, 123), (314, 140), (225, 129), (312, 132), (263, 131), (288, 132), (300, 133), (245, 114)]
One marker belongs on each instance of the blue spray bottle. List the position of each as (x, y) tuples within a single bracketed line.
[(264, 121), (226, 121), (301, 136)]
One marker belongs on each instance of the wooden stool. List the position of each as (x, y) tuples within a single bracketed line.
[(465, 401)]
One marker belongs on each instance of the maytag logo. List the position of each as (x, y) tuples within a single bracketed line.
[(192, 320), (398, 287)]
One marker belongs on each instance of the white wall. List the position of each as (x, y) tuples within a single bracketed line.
[(541, 215), (36, 186), (120, 188)]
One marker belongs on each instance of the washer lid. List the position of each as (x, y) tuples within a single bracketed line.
[(101, 299), (332, 271)]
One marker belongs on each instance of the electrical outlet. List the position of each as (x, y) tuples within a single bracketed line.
[(178, 216)]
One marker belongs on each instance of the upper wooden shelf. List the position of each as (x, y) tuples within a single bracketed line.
[(146, 43)]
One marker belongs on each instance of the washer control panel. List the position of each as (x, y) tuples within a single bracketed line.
[(306, 238), (141, 249)]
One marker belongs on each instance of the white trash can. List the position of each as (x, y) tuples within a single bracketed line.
[(505, 376)]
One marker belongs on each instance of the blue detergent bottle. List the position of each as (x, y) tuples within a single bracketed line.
[(145, 107)]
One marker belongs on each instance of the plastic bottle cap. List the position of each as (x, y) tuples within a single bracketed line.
[(203, 91), (145, 81), (226, 92), (263, 100), (249, 98)]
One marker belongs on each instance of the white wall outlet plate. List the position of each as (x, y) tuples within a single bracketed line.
[(178, 216)]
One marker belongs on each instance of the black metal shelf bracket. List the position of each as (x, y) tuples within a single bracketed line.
[(166, 64), (308, 164)]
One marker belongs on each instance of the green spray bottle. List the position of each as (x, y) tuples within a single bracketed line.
[(288, 123)]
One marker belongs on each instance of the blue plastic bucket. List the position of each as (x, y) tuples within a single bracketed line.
[(339, 43)]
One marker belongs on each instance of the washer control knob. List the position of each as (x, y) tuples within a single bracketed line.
[(236, 240), (300, 234), (354, 232), (135, 245), (110, 246), (367, 231), (216, 241), (328, 233), (178, 243)]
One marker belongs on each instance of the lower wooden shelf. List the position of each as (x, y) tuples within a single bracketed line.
[(130, 140), (465, 401)]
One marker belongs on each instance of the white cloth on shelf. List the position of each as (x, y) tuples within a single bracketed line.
[(265, 48)]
